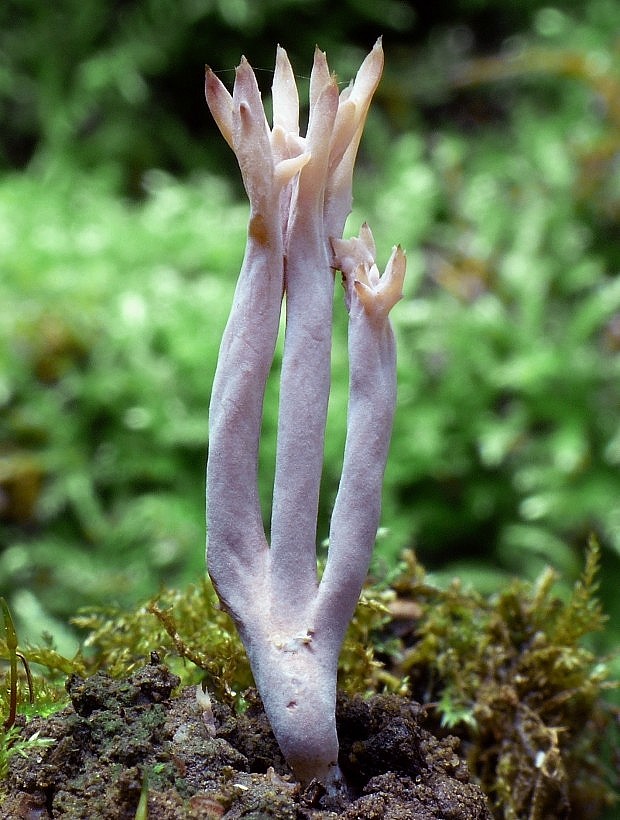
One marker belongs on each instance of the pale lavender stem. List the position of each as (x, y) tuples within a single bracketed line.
[(237, 543), (305, 377), (372, 400), (238, 550)]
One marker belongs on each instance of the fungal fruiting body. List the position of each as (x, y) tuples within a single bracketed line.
[(299, 189)]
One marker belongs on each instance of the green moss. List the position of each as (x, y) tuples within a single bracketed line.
[(515, 675), (186, 628), (360, 667)]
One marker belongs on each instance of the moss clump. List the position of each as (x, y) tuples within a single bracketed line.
[(187, 628), (513, 676)]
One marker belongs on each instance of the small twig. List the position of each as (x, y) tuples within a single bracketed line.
[(167, 621)]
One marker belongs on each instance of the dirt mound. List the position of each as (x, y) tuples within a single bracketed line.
[(201, 762)]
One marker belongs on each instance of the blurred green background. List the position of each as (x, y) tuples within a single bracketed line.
[(492, 153)]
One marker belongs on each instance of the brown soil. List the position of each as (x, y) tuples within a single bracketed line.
[(205, 765)]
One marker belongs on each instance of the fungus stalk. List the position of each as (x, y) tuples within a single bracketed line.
[(299, 189)]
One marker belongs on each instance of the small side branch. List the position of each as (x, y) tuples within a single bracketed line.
[(372, 400)]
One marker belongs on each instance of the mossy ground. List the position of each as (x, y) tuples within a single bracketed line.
[(515, 677)]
